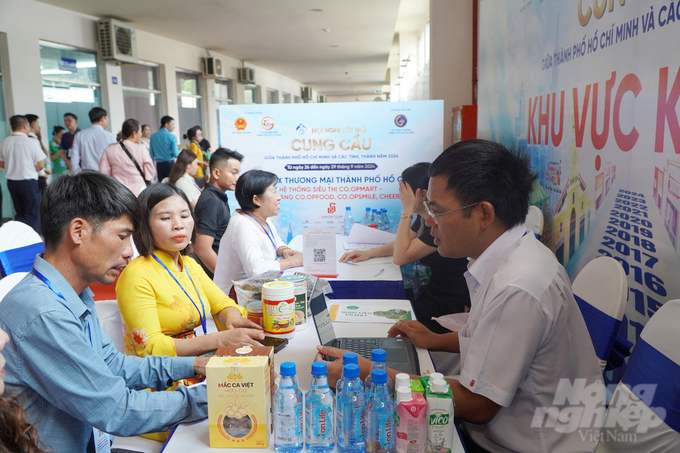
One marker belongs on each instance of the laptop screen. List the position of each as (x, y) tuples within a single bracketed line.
[(322, 320)]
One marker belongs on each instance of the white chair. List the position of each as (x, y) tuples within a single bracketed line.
[(534, 220), (644, 414), (601, 290), (110, 321), (19, 243), (9, 282)]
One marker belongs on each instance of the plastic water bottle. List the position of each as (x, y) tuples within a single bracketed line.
[(288, 432), (319, 412), (380, 415), (378, 357), (351, 414), (384, 221), (349, 220), (374, 216), (347, 359), (367, 216)]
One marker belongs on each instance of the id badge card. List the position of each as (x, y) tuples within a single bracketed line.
[(102, 441)]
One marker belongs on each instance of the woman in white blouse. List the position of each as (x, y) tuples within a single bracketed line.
[(182, 176), (251, 245)]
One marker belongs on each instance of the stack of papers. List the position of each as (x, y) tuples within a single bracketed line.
[(362, 237)]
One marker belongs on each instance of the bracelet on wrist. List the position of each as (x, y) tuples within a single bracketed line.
[(406, 216), (282, 249)]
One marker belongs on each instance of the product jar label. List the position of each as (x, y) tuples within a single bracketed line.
[(279, 316)]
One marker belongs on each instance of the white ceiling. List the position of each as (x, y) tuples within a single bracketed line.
[(285, 36)]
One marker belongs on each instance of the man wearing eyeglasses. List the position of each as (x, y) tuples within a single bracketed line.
[(525, 346)]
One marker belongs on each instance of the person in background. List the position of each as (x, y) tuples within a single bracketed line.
[(163, 147), (146, 136), (195, 135), (22, 158), (60, 163), (212, 209), (71, 124), (16, 434), (75, 386), (447, 291), (89, 145), (163, 295), (36, 134), (251, 245), (128, 161), (205, 146), (182, 175), (525, 347)]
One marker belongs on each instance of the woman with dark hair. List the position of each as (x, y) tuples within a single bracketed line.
[(195, 137), (447, 291), (16, 435), (146, 136), (250, 244), (60, 163), (182, 176), (163, 295), (129, 161)]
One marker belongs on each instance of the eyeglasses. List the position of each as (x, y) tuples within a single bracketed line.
[(434, 216)]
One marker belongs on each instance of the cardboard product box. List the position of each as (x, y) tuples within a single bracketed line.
[(240, 389)]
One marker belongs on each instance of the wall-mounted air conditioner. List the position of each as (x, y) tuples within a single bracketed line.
[(212, 67), (306, 93), (117, 41), (246, 76), (321, 99)]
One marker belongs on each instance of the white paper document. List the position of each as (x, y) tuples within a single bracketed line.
[(361, 234), (374, 311), (318, 252)]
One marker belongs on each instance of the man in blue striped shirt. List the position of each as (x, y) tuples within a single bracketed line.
[(163, 147), (75, 386)]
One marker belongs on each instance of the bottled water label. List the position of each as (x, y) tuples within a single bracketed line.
[(289, 426), (321, 423), (385, 432)]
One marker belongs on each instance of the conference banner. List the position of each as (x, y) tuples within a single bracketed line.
[(589, 89), (332, 156)]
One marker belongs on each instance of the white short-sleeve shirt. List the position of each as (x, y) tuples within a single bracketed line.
[(525, 336), (245, 251), (189, 187), (20, 153)]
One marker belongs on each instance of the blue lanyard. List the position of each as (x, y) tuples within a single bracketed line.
[(270, 235), (49, 284), (203, 318)]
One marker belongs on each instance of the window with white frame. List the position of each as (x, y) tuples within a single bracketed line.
[(272, 96), (189, 100), (224, 95), (286, 97), (142, 93)]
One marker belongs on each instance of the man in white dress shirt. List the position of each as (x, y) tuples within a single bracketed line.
[(22, 157), (530, 380), (89, 145)]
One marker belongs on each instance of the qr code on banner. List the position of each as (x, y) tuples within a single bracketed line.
[(319, 255)]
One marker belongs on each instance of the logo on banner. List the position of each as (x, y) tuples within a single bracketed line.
[(240, 123), (400, 120), (331, 208), (267, 123), (301, 129)]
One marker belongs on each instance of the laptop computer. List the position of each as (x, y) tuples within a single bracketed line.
[(401, 353)]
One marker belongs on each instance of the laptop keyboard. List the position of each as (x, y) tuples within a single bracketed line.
[(362, 346)]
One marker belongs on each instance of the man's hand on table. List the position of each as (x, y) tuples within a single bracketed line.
[(335, 368), (199, 365), (423, 337)]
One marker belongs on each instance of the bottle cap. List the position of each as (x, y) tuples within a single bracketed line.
[(439, 386), (402, 379), (287, 369), (348, 208), (349, 357), (436, 376), (378, 355), (404, 394), (368, 209), (378, 376), (319, 369), (351, 370)]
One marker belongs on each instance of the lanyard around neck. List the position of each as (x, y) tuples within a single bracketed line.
[(202, 318), (270, 235), (54, 289)]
